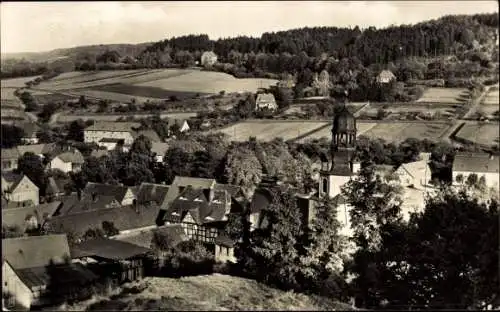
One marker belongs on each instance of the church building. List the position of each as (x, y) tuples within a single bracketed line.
[(337, 168)]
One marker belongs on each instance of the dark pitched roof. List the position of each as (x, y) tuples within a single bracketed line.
[(36, 149), (114, 126), (99, 153), (73, 273), (475, 162), (74, 157), (261, 199), (181, 182), (150, 134), (159, 148), (14, 179), (117, 191), (71, 205), (56, 186), (108, 249), (30, 129), (152, 192), (225, 241), (35, 251), (111, 140), (123, 218), (18, 216)]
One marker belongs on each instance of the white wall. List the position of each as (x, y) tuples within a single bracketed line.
[(13, 284), (57, 163), (96, 136), (25, 190), (224, 254), (492, 178), (334, 184)]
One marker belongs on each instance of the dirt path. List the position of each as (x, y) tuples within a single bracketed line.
[(478, 102)]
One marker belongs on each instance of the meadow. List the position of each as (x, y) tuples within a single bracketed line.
[(65, 118), (269, 130), (400, 131), (148, 84), (326, 132), (445, 95), (481, 134), (490, 103)]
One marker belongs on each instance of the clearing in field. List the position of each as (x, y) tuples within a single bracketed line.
[(209, 82), (267, 131), (445, 95), (482, 134), (398, 132), (326, 132)]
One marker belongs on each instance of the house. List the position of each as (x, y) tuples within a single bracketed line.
[(180, 124), (10, 156), (111, 130), (29, 217), (151, 193), (224, 249), (19, 189), (208, 59), (76, 203), (483, 165), (30, 264), (122, 194), (159, 149), (56, 187), (30, 133), (126, 219), (201, 206), (67, 161), (265, 100), (385, 76), (415, 174), (118, 260)]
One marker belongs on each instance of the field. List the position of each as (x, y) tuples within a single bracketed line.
[(269, 130), (445, 95), (402, 108), (398, 132), (214, 292), (327, 131), (482, 134), (144, 84), (16, 82)]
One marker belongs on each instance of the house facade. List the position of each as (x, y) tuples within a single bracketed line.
[(19, 189), (415, 174), (69, 161), (265, 101), (483, 165), (110, 130)]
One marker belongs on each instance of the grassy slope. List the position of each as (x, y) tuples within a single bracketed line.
[(209, 292)]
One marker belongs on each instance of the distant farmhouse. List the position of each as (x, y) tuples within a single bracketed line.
[(483, 165), (67, 161), (208, 59), (385, 76), (265, 100), (111, 134)]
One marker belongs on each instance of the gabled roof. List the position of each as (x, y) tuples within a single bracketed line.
[(108, 249), (386, 74), (114, 126), (37, 149), (150, 134), (416, 168), (116, 191), (71, 205), (10, 153), (152, 192), (74, 157), (73, 273), (124, 218), (182, 182), (35, 251), (476, 162), (18, 216), (159, 148), (225, 241), (14, 179), (265, 97)]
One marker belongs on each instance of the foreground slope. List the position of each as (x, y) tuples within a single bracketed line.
[(208, 292)]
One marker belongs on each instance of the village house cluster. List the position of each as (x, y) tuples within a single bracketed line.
[(188, 209)]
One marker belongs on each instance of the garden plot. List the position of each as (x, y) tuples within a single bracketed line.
[(445, 95)]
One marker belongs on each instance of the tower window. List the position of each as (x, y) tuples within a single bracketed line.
[(325, 185)]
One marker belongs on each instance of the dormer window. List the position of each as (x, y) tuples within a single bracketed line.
[(209, 218), (198, 200), (217, 201), (175, 213), (182, 198)]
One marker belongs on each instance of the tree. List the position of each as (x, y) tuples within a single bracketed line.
[(375, 212), (82, 102), (109, 228), (47, 111), (93, 234), (94, 170), (177, 163), (322, 83), (142, 145), (242, 168), (75, 130), (29, 101), (246, 107), (453, 241), (11, 136), (31, 165)]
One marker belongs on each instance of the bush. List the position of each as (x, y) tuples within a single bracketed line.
[(188, 258)]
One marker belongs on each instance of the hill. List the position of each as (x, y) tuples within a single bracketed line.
[(209, 293)]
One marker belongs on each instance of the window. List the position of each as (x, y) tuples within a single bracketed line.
[(227, 251), (325, 185)]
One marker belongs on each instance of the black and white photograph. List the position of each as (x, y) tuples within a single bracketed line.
[(250, 155)]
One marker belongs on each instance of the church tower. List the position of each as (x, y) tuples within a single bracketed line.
[(338, 167)]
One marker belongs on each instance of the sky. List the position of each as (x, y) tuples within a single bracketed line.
[(44, 26)]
